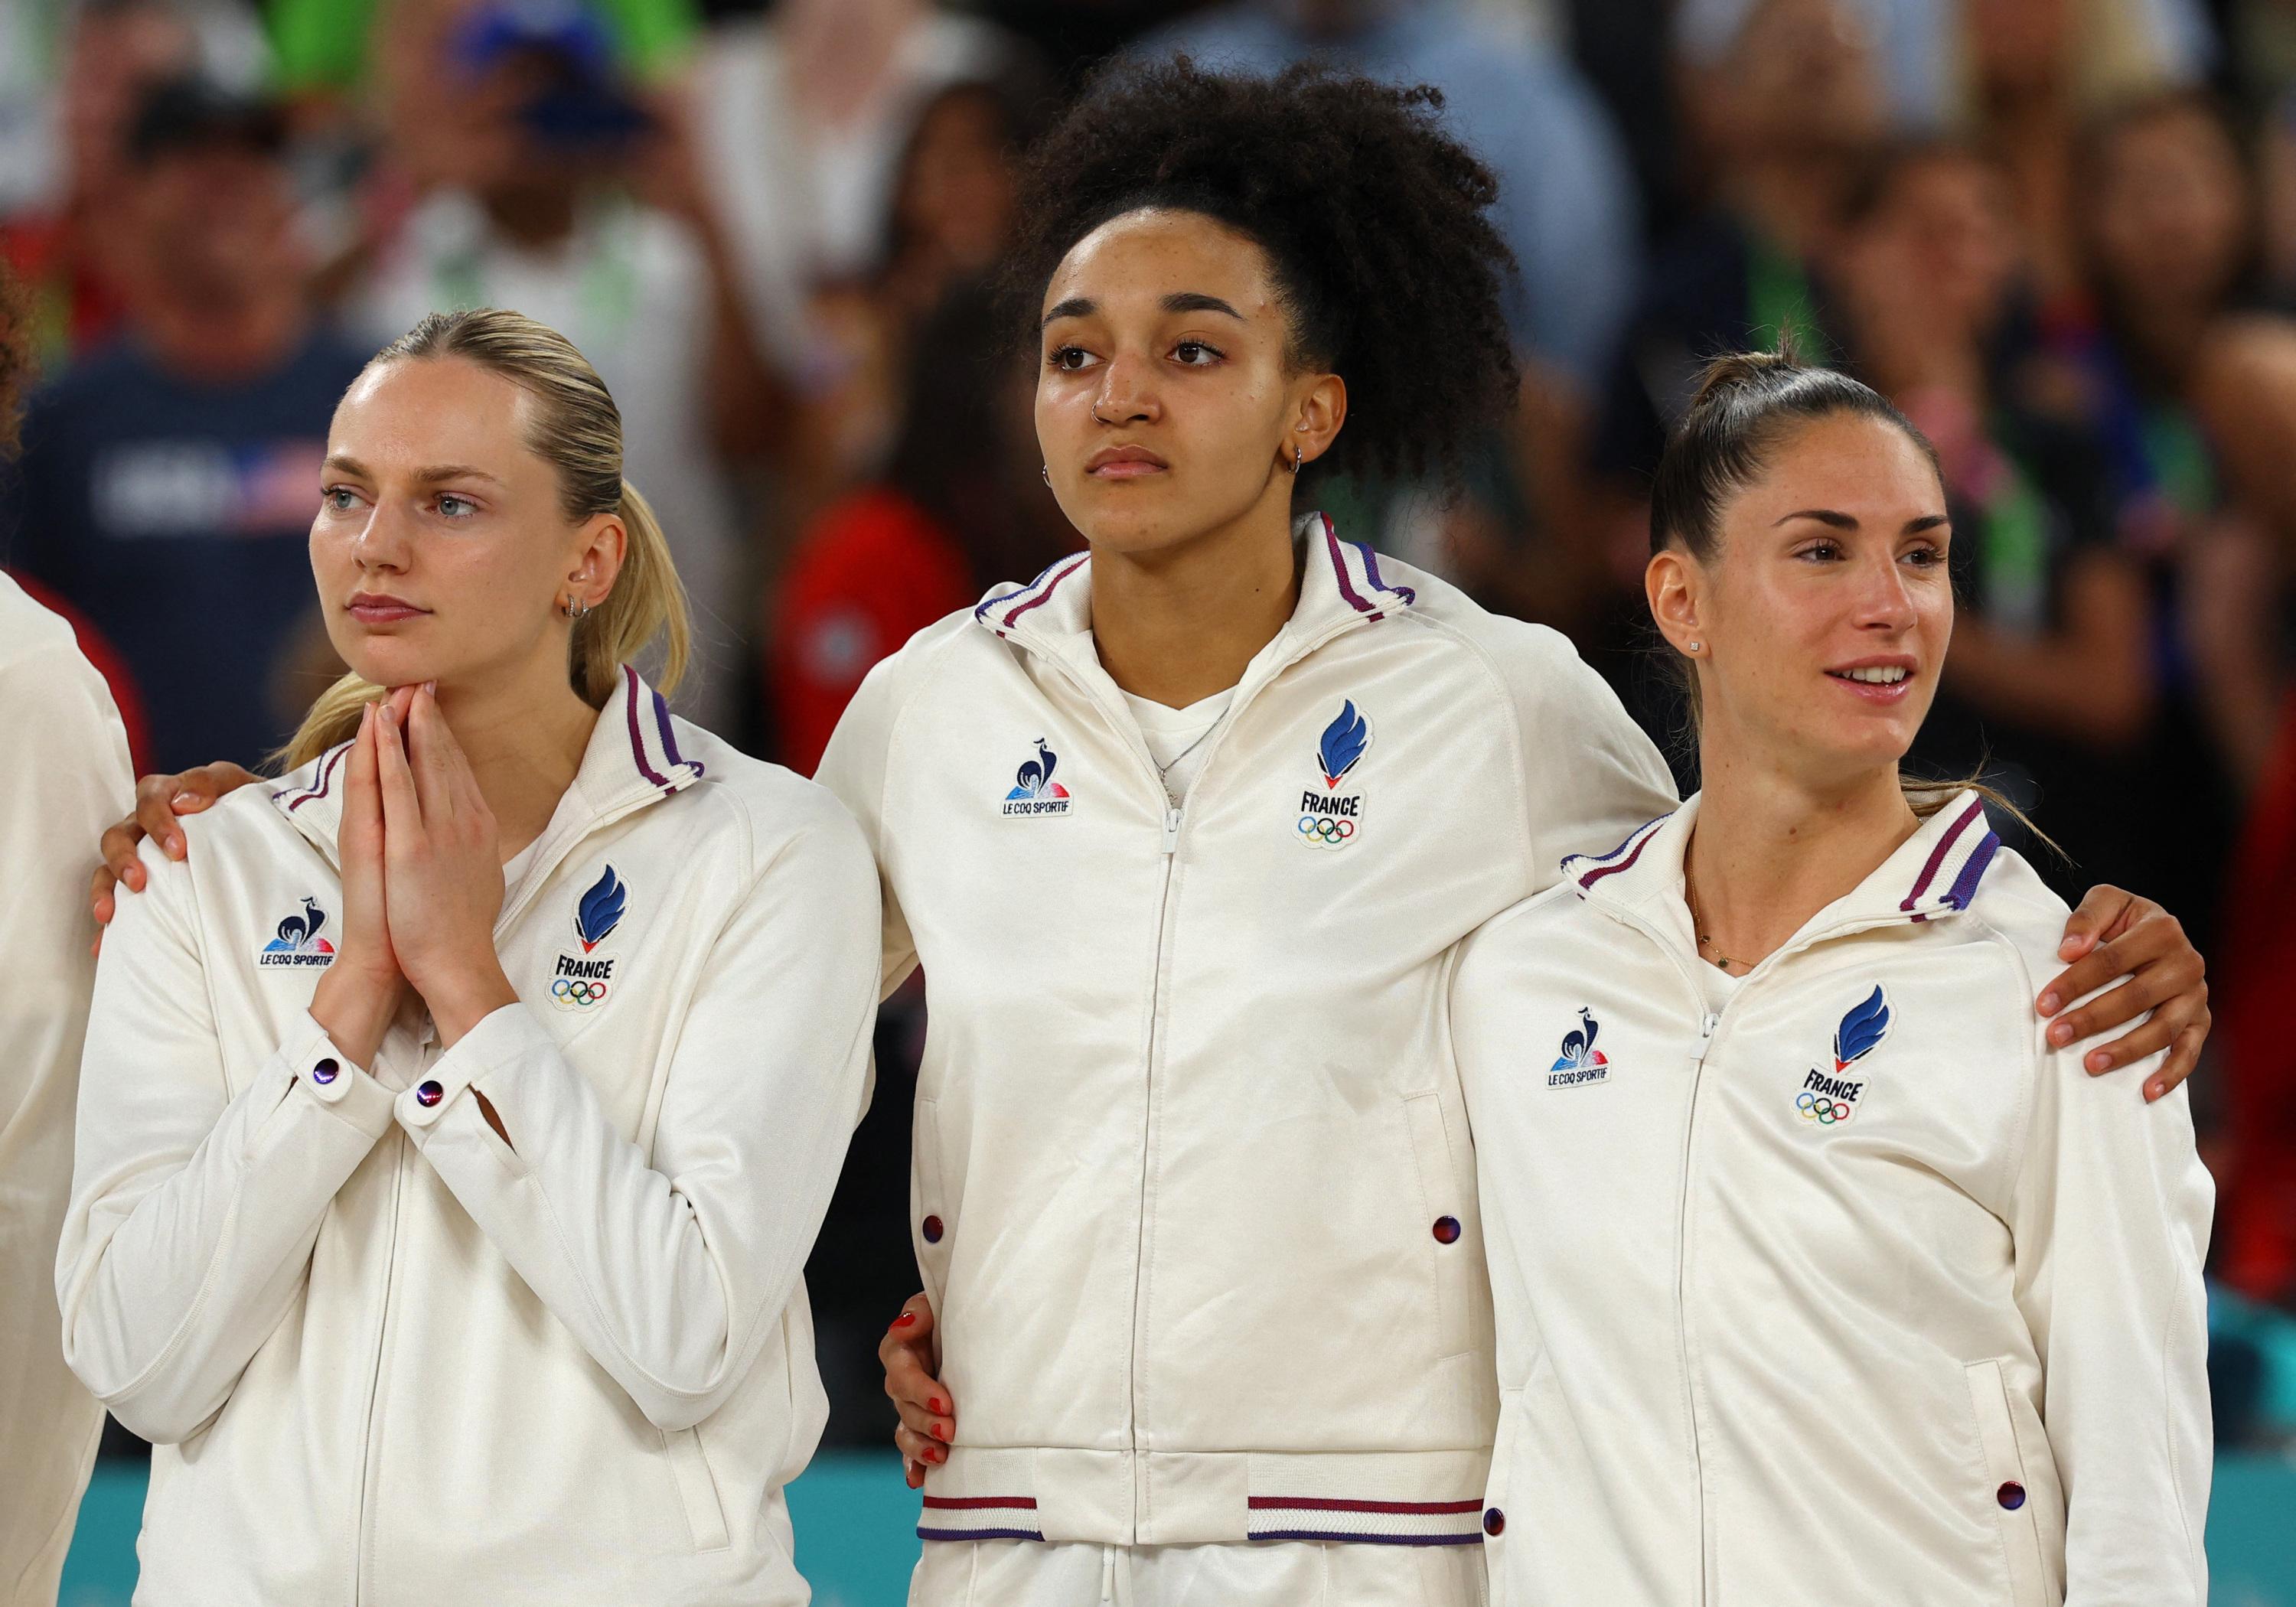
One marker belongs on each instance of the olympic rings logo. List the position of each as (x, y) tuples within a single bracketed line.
[(1818, 1108), (1325, 831), (577, 991)]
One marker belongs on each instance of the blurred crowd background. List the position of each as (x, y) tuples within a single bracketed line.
[(2061, 234)]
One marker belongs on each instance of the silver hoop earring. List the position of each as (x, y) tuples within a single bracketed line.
[(577, 610), (1046, 472), (1295, 460)]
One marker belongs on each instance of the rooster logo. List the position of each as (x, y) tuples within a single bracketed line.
[(601, 910), (1342, 746), (1579, 1051), (297, 941), (1034, 779)]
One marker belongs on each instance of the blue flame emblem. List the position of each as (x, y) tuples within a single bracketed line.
[(601, 910), (1861, 1031), (1342, 743)]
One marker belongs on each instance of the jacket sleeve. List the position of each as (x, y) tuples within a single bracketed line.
[(67, 778), (853, 767), (2109, 1215), (193, 1211), (1590, 774), (672, 1267)]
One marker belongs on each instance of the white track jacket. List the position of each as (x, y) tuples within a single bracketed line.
[(66, 779), (1857, 1291), (1194, 1195), (386, 1358)]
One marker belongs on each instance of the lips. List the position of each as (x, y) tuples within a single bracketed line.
[(374, 609), (1124, 463), (1878, 680)]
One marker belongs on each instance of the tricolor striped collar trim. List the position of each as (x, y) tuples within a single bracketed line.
[(979, 1518), (1005, 609), (1588, 869), (652, 736), (1935, 872), (1340, 579), (634, 743), (1956, 862), (1354, 569)]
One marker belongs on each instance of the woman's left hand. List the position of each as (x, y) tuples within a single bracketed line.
[(2116, 935), (441, 873)]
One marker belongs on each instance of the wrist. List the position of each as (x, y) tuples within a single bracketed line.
[(355, 1009), (476, 993)]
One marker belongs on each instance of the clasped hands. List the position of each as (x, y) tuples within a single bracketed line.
[(422, 882)]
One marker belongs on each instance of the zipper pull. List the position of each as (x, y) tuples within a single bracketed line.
[(1705, 1041), (1172, 829)]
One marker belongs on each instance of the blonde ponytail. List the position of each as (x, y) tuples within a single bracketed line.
[(578, 430)]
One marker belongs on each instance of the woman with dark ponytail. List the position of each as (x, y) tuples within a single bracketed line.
[(1881, 1296)]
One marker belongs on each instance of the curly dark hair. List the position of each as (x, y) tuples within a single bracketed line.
[(1374, 219), (15, 356)]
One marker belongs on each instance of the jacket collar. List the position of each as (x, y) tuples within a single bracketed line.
[(633, 758), (1934, 874), (1340, 584)]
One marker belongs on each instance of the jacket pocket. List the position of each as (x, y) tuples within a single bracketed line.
[(697, 1491), (1506, 1449), (1446, 1191), (933, 1222), (2013, 1495)]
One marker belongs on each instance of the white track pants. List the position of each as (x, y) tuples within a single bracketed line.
[(1291, 1573)]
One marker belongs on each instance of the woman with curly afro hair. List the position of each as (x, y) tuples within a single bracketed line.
[(1183, 834)]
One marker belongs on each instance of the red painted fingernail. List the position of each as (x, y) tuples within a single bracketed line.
[(905, 1319), (941, 1431), (933, 1453), (937, 1405)]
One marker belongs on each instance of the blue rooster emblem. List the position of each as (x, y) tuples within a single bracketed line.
[(299, 934), (1035, 777), (1342, 744), (1578, 1049), (601, 910), (1861, 1031)]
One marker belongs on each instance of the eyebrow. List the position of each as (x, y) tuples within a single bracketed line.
[(1843, 521), (339, 463), (1179, 301)]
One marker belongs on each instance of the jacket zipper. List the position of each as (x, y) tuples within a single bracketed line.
[(371, 1450), (1128, 729)]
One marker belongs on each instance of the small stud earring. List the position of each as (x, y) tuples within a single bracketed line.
[(1694, 646)]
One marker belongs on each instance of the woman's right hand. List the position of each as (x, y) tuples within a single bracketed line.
[(911, 1354), (360, 992), (158, 799)]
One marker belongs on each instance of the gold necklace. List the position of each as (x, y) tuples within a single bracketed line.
[(1690, 898)]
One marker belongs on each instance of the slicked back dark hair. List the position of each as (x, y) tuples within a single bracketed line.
[(1374, 222), (1746, 403)]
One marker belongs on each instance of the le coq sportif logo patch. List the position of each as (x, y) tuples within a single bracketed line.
[(1034, 794), (297, 942)]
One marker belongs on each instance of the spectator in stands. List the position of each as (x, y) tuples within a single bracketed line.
[(1567, 206), (167, 482), (960, 506), (64, 241), (801, 116), (532, 132), (2050, 681)]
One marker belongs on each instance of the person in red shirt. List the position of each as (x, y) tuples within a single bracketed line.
[(960, 506)]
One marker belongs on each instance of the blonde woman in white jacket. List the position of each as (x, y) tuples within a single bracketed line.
[(1821, 1274), (455, 1120)]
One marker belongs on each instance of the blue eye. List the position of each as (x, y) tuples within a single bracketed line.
[(338, 498), (449, 503)]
